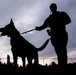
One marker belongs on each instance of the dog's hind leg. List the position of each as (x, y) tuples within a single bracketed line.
[(29, 61), (36, 61), (23, 60)]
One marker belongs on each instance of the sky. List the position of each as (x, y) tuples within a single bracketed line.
[(27, 14)]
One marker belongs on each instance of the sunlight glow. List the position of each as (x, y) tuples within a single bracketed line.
[(42, 61)]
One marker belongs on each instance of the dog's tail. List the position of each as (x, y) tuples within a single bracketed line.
[(44, 45)]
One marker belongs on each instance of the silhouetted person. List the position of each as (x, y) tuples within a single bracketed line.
[(57, 22)]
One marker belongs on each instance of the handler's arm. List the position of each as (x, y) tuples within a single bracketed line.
[(45, 25)]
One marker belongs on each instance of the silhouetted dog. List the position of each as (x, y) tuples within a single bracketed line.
[(20, 46)]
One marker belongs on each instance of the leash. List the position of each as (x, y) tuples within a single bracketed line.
[(28, 31)]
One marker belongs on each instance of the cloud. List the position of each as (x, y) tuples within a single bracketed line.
[(72, 53)]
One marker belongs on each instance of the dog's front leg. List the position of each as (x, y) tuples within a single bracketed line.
[(15, 60)]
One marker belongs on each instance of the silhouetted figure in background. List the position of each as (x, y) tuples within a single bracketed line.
[(20, 47), (57, 22)]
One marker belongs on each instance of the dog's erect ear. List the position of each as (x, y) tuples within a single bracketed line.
[(11, 21)]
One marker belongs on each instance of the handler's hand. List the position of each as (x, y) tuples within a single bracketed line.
[(37, 28)]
